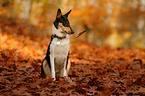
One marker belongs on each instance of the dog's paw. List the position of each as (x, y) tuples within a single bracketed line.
[(54, 79), (65, 73)]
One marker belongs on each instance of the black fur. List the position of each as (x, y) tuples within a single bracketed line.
[(67, 60), (48, 52), (47, 58), (42, 71)]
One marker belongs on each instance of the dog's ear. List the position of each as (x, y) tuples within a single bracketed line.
[(67, 13), (58, 13)]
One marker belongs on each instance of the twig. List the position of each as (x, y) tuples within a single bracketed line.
[(81, 33)]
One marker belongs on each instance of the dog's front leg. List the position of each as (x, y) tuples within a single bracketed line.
[(64, 69), (65, 72), (52, 66)]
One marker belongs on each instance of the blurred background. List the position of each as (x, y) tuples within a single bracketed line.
[(119, 23)]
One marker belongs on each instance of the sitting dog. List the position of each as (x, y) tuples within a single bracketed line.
[(56, 63)]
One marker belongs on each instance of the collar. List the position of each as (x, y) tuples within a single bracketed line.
[(55, 36)]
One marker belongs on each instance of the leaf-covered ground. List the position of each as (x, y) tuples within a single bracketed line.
[(95, 70)]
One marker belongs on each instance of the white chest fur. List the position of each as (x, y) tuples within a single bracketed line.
[(59, 47)]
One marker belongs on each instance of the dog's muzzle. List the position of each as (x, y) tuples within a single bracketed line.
[(72, 32)]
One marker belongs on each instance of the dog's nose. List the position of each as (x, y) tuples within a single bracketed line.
[(72, 32)]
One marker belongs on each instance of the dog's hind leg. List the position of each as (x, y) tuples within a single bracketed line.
[(68, 66), (46, 68), (42, 70)]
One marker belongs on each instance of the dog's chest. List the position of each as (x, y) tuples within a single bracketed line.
[(59, 49)]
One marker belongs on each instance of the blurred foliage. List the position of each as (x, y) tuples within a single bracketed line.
[(119, 23)]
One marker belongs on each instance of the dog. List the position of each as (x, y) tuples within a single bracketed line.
[(56, 63)]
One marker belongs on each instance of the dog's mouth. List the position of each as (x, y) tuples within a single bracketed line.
[(70, 32)]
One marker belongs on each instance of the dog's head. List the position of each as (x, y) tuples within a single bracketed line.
[(62, 22)]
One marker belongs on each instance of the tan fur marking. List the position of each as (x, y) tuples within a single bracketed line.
[(46, 68), (67, 29)]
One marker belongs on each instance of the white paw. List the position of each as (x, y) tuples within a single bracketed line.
[(65, 73), (54, 78)]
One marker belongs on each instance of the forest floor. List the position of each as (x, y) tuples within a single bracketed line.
[(95, 70)]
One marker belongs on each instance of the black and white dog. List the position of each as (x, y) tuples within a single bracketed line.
[(56, 63)]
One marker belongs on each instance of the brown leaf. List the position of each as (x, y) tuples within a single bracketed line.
[(62, 89)]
